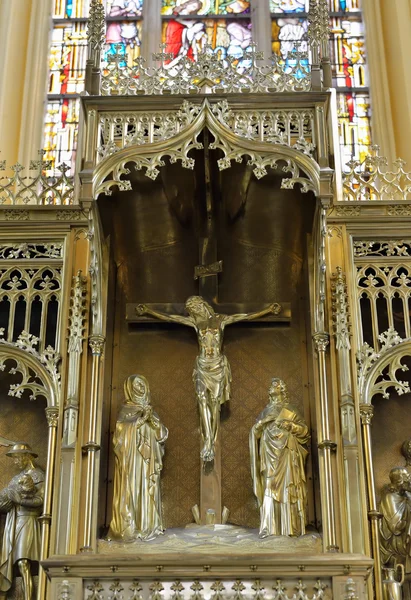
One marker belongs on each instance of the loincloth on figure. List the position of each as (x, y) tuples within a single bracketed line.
[(212, 378)]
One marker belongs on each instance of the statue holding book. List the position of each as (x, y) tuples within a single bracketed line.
[(278, 448)]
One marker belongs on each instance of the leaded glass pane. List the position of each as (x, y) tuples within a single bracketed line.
[(289, 6), (125, 38), (61, 126), (286, 33), (124, 8), (348, 53), (295, 6), (205, 7), (67, 59), (67, 64), (228, 37), (344, 5), (70, 9), (348, 60), (354, 125)]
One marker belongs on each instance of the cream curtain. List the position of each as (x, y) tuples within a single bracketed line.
[(24, 32), (388, 39)]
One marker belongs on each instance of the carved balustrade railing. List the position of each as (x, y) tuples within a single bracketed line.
[(372, 179), (213, 71), (38, 185), (287, 133), (205, 589), (294, 128)]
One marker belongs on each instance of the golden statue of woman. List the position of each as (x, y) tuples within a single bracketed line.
[(278, 453), (138, 448), (212, 373)]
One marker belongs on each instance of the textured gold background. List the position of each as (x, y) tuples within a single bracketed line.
[(154, 238), (24, 421), (20, 420), (165, 356), (391, 426), (256, 354)]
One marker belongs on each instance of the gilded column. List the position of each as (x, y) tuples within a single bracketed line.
[(366, 413), (95, 40), (71, 408), (52, 414), (96, 343), (325, 446), (353, 502)]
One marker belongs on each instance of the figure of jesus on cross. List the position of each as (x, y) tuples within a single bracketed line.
[(212, 373)]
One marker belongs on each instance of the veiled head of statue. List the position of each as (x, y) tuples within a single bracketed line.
[(197, 307), (136, 390), (406, 450), (278, 391)]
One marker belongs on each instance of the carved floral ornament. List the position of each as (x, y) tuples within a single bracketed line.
[(378, 371), (374, 180), (236, 135), (211, 74), (39, 185), (39, 371)]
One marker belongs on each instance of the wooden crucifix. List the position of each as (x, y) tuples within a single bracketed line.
[(212, 373)]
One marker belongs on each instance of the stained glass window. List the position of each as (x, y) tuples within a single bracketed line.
[(67, 64), (189, 25), (205, 7), (350, 76), (229, 36)]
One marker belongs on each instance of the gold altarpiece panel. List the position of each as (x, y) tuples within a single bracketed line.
[(155, 235)]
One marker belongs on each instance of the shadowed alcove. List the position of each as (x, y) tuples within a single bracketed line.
[(160, 231)]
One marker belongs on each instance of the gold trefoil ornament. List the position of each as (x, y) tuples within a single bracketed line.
[(138, 449), (278, 452), (212, 373), (22, 499)]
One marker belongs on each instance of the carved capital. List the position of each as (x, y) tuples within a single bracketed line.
[(96, 343), (366, 413), (52, 416), (321, 341)]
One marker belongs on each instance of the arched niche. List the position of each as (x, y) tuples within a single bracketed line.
[(384, 386), (29, 410), (154, 230)]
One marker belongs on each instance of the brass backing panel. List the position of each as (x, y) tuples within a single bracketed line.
[(155, 240)]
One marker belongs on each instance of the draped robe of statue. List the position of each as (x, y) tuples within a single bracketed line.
[(395, 527), (22, 534), (138, 448), (278, 470)]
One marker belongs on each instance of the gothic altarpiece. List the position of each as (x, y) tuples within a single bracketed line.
[(204, 197)]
